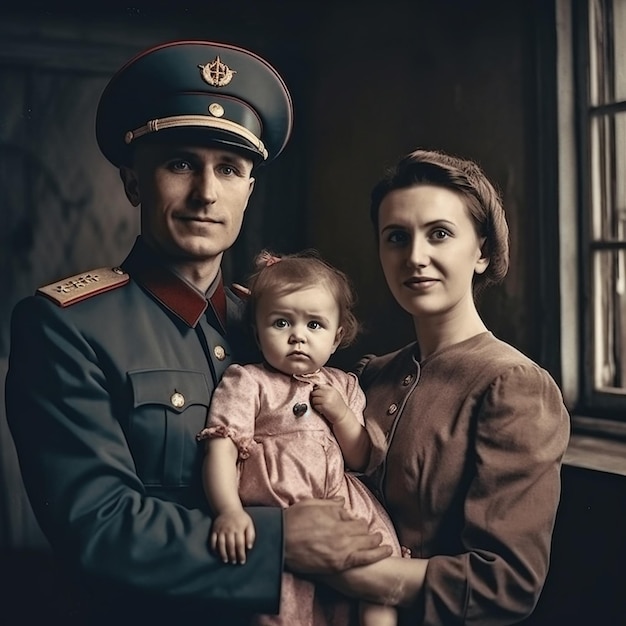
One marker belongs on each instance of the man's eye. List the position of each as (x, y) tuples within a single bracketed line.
[(228, 170), (180, 166), (280, 323)]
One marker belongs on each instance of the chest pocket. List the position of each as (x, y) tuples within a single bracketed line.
[(169, 408)]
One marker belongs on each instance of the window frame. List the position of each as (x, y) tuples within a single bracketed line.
[(589, 400)]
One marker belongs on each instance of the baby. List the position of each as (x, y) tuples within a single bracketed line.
[(286, 429)]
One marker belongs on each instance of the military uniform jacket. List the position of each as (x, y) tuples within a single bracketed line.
[(471, 478), (104, 400)]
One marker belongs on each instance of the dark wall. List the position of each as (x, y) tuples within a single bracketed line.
[(370, 81), (457, 76)]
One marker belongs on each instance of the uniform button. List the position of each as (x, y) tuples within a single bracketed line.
[(219, 352), (216, 109), (392, 409), (408, 379), (177, 399)]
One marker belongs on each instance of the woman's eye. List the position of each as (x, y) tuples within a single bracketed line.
[(397, 237), (281, 323), (440, 234)]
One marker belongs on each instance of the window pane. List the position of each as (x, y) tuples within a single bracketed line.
[(609, 304), (596, 52), (608, 182), (620, 171), (619, 28), (607, 24)]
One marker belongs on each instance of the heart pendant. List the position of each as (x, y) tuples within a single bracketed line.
[(299, 409)]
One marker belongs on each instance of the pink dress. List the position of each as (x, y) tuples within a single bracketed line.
[(287, 452)]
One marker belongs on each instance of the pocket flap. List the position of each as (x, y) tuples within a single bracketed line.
[(176, 389)]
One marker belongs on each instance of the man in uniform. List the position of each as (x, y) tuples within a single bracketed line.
[(111, 371)]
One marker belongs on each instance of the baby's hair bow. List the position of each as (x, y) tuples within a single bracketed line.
[(268, 259)]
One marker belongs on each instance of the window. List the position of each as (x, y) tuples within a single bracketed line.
[(598, 35)]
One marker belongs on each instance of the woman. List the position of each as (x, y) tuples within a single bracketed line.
[(475, 431)]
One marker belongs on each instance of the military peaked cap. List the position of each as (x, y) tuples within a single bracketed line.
[(200, 91)]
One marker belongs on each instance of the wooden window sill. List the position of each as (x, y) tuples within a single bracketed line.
[(598, 445)]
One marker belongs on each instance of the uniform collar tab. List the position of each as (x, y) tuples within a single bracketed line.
[(175, 294)]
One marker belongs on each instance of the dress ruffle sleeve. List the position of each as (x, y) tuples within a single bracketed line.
[(234, 408)]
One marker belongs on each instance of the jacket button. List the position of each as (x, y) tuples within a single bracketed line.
[(177, 399), (408, 379), (392, 409), (219, 352)]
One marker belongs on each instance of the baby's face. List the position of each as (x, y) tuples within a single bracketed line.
[(298, 331)]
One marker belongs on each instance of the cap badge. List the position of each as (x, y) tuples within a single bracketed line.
[(216, 73)]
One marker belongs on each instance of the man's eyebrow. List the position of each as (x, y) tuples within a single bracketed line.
[(240, 161), (176, 152)]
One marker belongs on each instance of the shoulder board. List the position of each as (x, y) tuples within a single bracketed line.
[(240, 290), (82, 286)]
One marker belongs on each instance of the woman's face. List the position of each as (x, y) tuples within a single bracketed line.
[(429, 250)]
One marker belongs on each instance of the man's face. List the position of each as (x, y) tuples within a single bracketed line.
[(192, 198)]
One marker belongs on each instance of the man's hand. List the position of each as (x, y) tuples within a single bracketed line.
[(321, 537)]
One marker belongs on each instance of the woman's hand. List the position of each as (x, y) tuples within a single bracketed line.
[(394, 581)]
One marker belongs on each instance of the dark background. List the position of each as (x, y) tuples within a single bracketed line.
[(370, 81)]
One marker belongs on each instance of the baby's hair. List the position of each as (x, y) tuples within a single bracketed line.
[(283, 274)]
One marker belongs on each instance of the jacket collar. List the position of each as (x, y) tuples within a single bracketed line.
[(175, 294)]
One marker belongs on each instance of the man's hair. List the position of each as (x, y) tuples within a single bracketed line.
[(278, 275), (464, 177)]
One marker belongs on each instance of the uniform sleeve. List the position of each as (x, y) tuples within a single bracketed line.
[(234, 408), (84, 488), (522, 431)]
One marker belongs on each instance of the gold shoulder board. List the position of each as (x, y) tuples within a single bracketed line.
[(82, 286), (240, 290)]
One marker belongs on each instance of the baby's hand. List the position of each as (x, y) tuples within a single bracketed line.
[(232, 534), (328, 401)]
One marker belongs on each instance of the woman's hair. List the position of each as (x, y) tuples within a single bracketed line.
[(465, 178), (277, 274)]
